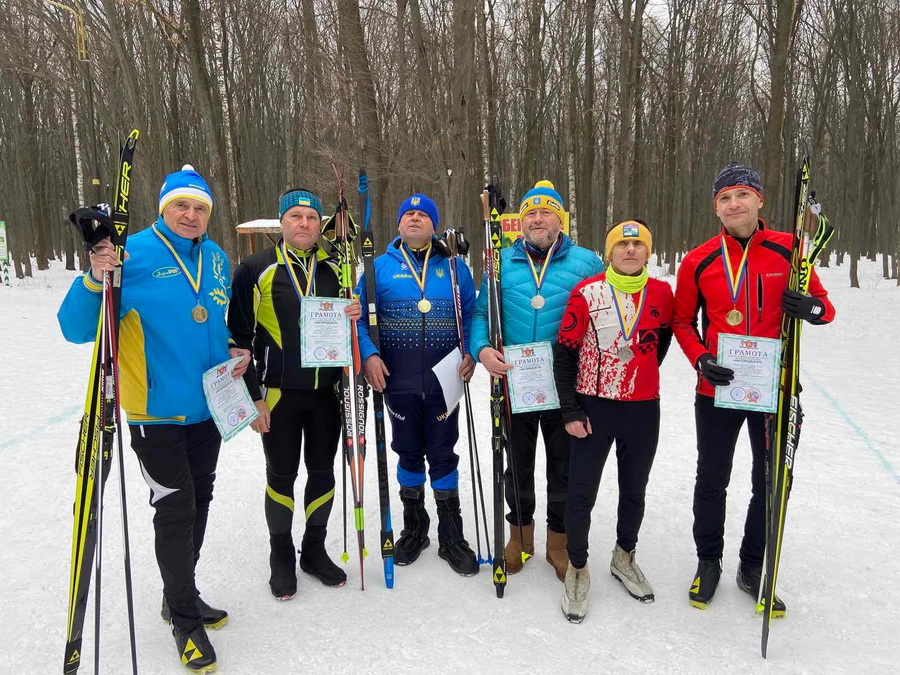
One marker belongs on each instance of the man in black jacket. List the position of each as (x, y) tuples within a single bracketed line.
[(294, 402)]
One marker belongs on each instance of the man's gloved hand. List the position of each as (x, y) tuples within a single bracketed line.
[(712, 372), (799, 306), (496, 197)]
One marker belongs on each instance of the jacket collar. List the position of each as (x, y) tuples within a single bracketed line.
[(519, 253), (759, 234)]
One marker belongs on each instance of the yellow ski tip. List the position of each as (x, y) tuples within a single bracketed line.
[(525, 556)]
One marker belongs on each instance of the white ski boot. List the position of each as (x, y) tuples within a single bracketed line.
[(625, 569), (575, 602)]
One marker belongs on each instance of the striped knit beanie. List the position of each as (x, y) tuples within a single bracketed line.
[(184, 183)]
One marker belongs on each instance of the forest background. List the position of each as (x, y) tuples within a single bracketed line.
[(630, 108)]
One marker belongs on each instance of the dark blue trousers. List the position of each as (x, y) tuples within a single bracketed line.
[(422, 429)]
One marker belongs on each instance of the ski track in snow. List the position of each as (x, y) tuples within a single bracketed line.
[(839, 575)]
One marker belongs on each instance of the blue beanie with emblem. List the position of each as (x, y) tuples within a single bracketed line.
[(419, 202), (184, 183), (298, 197)]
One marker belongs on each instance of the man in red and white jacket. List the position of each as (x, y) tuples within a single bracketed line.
[(614, 335), (737, 283)]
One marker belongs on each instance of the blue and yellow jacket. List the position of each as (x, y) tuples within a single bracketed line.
[(163, 352), (412, 343), (569, 266)]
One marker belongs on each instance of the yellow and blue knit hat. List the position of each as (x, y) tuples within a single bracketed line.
[(420, 202), (542, 196), (298, 197), (184, 183), (636, 230)]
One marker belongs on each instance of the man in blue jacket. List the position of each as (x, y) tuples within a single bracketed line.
[(175, 289), (537, 274), (417, 326)]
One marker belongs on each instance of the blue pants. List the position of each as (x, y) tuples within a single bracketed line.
[(421, 428)]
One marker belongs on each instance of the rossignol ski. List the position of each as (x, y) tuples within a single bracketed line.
[(100, 426), (784, 426), (384, 497), (459, 246), (353, 392)]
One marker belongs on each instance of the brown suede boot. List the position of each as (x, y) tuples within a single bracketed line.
[(557, 555), (513, 550)]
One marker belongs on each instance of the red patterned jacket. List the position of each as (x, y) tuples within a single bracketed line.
[(586, 359), (703, 288)]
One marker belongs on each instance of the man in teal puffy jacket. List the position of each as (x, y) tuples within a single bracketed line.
[(537, 274)]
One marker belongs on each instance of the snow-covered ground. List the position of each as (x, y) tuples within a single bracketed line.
[(839, 575)]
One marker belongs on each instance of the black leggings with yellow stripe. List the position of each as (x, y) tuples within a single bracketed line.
[(311, 418)]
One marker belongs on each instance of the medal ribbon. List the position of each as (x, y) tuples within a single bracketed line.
[(195, 283), (627, 327), (539, 278), (310, 273), (734, 279), (420, 281)]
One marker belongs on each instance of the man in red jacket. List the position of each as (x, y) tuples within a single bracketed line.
[(737, 283)]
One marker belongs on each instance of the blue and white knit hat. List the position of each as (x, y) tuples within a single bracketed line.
[(419, 202), (542, 196), (184, 183), (735, 175), (298, 197)]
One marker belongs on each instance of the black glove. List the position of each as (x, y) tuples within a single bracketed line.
[(441, 246), (712, 372), (93, 223), (496, 198), (799, 306)]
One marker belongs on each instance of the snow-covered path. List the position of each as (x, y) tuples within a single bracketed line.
[(840, 576)]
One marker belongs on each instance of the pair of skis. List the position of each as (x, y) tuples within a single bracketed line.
[(100, 426), (784, 426), (353, 388)]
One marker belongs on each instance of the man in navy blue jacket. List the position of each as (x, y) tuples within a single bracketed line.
[(417, 327)]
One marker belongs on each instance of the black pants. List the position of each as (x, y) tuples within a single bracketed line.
[(523, 433), (634, 426), (179, 465), (717, 433), (311, 419)]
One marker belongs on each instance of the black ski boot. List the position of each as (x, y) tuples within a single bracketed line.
[(212, 618), (706, 580), (414, 537), (283, 565), (748, 578), (314, 559), (194, 648), (452, 545)]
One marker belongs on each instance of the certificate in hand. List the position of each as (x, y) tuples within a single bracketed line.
[(324, 333), (755, 362), (531, 383), (228, 399)]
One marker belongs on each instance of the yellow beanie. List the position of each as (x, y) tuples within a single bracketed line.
[(628, 229), (542, 196)]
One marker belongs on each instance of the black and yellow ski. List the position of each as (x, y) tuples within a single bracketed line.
[(99, 425), (784, 427)]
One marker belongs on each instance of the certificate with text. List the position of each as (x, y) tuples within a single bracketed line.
[(531, 383), (324, 332), (756, 363), (229, 401)]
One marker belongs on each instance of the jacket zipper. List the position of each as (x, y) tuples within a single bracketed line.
[(759, 298)]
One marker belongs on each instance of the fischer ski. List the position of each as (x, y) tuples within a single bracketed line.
[(368, 252), (100, 424), (784, 426)]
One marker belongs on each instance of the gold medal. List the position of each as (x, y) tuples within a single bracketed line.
[(734, 317), (538, 301), (424, 305), (625, 354), (199, 314)]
